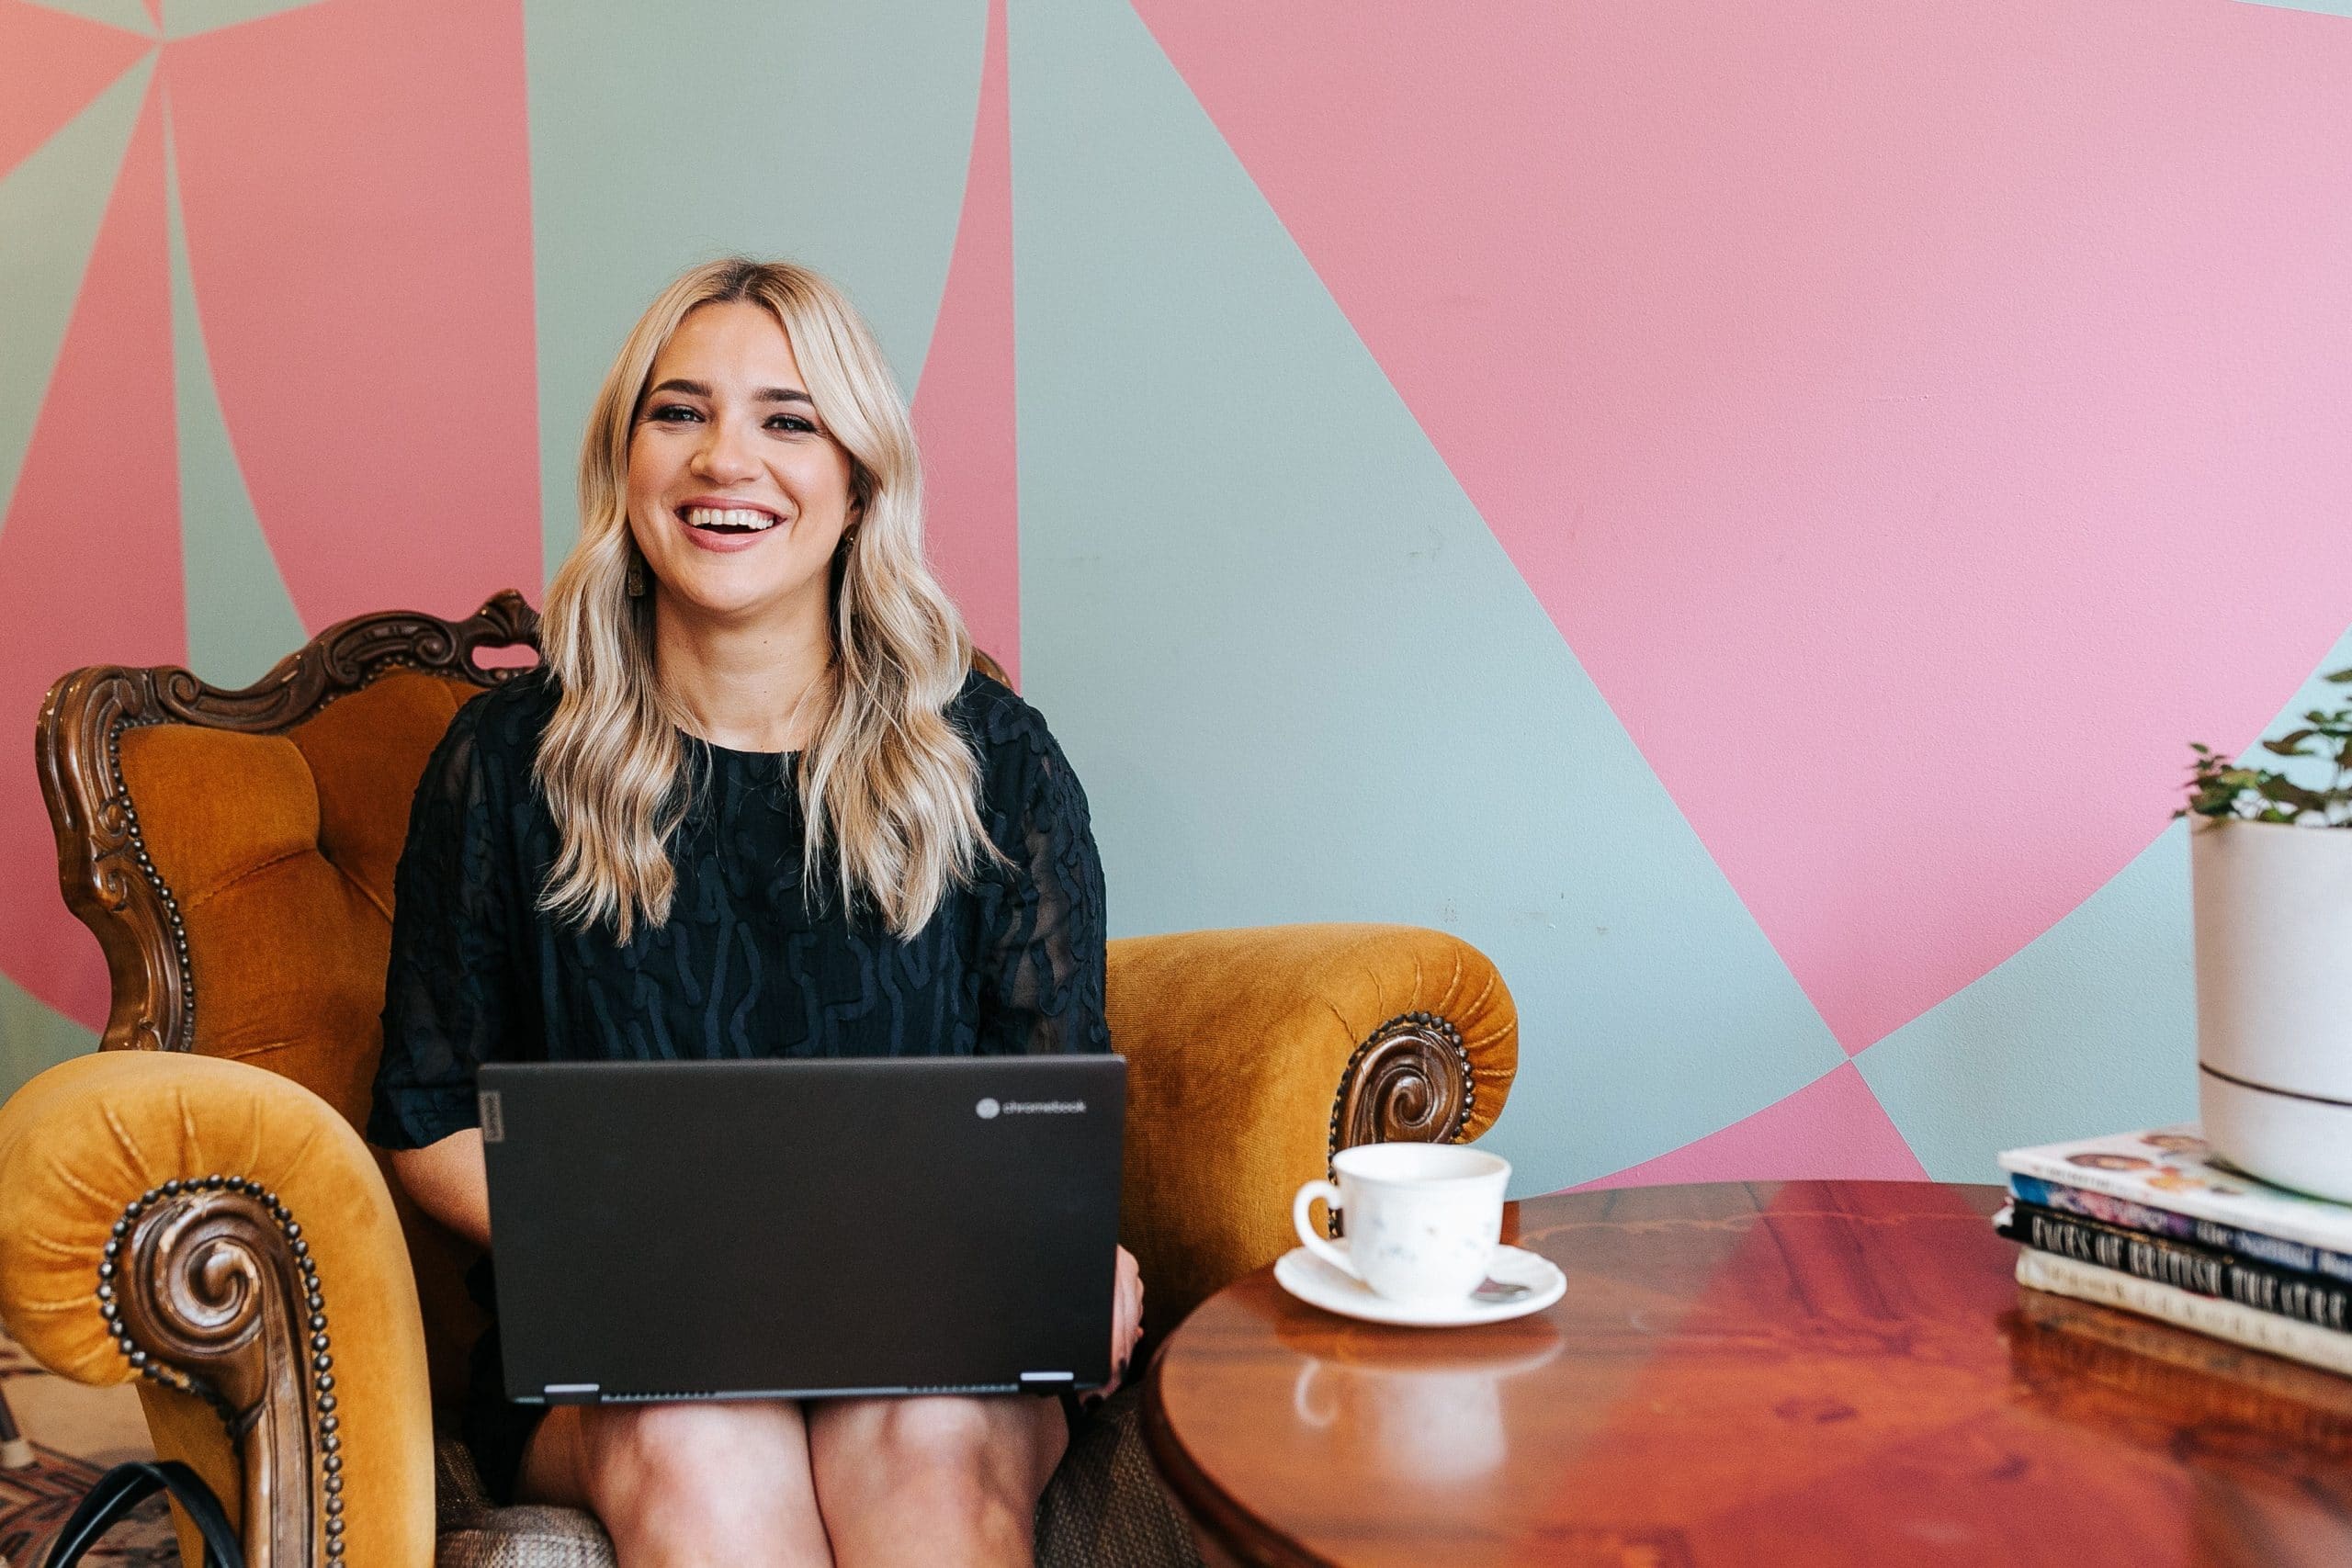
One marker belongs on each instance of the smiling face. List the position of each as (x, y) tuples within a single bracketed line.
[(737, 496)]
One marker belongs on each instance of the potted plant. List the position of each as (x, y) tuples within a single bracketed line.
[(2272, 894)]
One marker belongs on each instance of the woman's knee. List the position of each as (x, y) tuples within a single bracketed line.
[(936, 1433), (688, 1462), (976, 1445)]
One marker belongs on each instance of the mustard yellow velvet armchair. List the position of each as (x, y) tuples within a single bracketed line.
[(192, 1206)]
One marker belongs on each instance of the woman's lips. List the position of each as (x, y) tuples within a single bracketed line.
[(725, 529)]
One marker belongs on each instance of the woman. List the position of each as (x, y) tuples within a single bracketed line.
[(752, 805)]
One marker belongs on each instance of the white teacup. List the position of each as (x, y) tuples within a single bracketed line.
[(1422, 1218)]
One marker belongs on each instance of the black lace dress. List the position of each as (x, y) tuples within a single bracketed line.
[(746, 965)]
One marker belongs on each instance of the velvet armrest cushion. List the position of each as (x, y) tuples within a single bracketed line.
[(87, 1139), (1237, 1046)]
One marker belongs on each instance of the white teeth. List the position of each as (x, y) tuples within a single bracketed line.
[(730, 517)]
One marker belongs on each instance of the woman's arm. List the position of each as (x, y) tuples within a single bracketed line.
[(1042, 987), (447, 991), (450, 1183), (1042, 960)]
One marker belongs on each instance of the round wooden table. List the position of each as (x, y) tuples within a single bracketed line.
[(1806, 1372)]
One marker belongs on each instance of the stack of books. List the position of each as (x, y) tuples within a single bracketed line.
[(2153, 1224)]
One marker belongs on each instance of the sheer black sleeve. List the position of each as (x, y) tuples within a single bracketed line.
[(448, 994), (1041, 963)]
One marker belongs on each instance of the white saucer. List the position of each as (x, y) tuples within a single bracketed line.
[(1317, 1283)]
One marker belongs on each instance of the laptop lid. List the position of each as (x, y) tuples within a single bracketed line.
[(722, 1229)]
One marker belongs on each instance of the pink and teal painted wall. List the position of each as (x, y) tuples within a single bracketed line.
[(1735, 509)]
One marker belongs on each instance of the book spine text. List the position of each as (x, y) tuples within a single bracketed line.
[(2221, 1319), (2277, 1251), (2186, 1266)]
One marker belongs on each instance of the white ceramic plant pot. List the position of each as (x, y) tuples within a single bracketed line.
[(2274, 999)]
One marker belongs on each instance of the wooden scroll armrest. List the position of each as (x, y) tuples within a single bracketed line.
[(220, 1233), (1256, 1055)]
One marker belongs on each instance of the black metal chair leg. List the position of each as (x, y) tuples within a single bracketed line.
[(15, 1452)]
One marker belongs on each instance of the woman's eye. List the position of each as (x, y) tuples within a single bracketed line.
[(672, 413), (792, 422)]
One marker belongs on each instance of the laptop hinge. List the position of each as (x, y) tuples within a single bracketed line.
[(1047, 1383), (571, 1393)]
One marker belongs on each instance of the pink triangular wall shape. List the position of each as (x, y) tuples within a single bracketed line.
[(964, 403), (50, 66), (1833, 1129), (356, 181), (1873, 402), (90, 553)]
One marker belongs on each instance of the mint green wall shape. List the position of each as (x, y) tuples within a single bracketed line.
[(241, 620), (1300, 678), (2325, 7), (2088, 1029), (2091, 1028), (184, 18), (663, 135), (50, 206), (34, 1037), (129, 15)]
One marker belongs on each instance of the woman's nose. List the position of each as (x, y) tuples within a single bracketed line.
[(724, 456)]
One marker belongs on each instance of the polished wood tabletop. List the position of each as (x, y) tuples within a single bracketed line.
[(1806, 1372)]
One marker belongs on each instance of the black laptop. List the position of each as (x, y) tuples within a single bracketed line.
[(760, 1229)]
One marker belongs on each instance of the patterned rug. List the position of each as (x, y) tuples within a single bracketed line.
[(76, 1433)]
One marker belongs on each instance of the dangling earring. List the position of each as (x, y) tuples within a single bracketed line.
[(635, 582)]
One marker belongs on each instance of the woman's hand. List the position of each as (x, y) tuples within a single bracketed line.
[(1127, 1320)]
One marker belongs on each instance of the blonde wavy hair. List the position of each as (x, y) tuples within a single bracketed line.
[(888, 786)]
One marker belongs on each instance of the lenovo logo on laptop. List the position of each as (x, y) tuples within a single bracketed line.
[(991, 1107)]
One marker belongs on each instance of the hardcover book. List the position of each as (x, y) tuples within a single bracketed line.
[(2277, 1251), (2171, 1170), (2203, 1270), (2223, 1320)]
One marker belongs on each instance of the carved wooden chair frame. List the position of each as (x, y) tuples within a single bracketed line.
[(1408, 1082)]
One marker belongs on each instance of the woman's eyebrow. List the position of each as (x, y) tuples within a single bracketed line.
[(764, 395)]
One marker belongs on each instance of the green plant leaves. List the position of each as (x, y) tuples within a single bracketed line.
[(2220, 788)]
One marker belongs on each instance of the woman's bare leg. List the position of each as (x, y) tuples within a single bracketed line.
[(934, 1479), (704, 1485)]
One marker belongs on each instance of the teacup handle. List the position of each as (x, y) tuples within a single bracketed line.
[(1301, 1396), (1330, 1193)]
